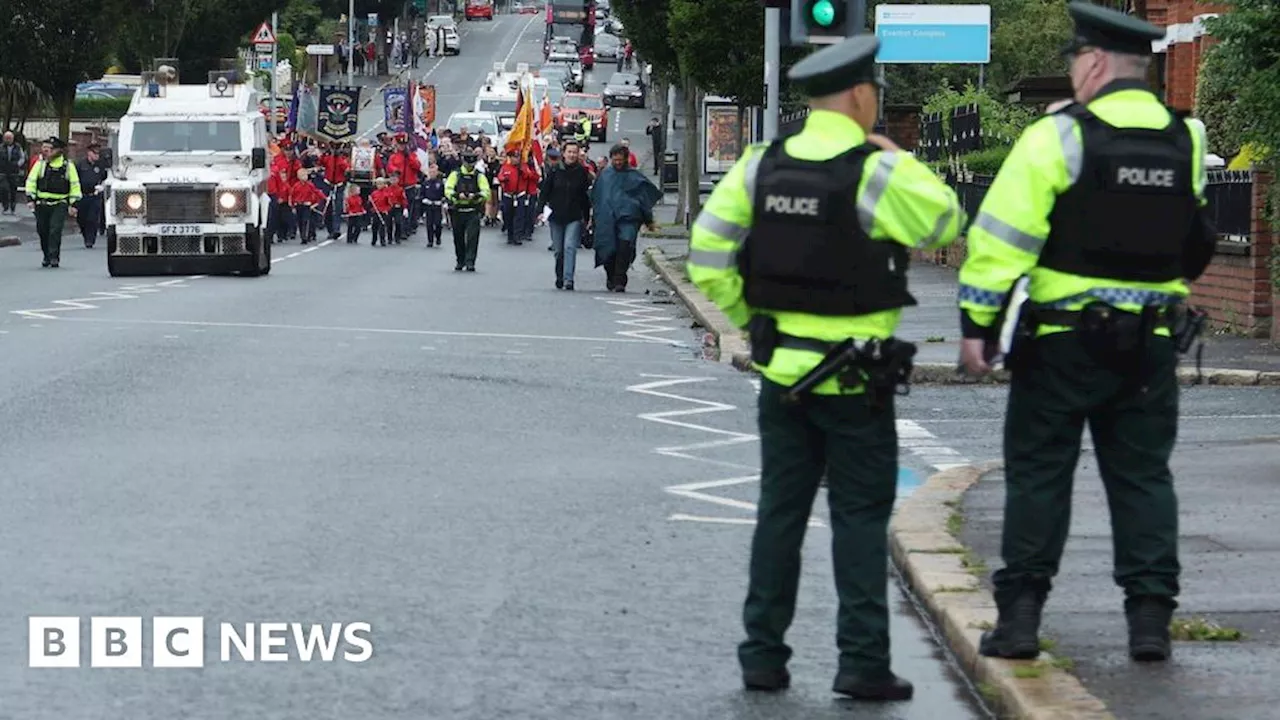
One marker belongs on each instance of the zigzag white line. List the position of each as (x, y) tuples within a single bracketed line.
[(125, 292), (728, 438), (647, 318)]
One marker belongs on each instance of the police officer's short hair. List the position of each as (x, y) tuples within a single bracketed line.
[(565, 145), (619, 149)]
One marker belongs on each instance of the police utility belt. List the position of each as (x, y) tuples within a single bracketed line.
[(882, 367), (1113, 338)]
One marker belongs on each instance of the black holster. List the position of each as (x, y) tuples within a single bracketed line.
[(1118, 339), (885, 367), (763, 332), (1186, 324)]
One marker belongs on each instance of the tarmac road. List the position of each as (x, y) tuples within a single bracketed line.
[(492, 473)]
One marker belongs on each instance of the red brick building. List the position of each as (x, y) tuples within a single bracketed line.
[(1178, 58)]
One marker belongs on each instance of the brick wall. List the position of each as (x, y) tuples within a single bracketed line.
[(902, 125), (1236, 290), (1182, 57)]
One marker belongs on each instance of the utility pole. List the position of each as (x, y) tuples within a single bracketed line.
[(351, 42), (772, 69), (275, 52)]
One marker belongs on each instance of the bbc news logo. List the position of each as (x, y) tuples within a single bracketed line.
[(178, 642)]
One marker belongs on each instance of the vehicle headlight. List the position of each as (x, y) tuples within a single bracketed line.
[(232, 202), (130, 203)]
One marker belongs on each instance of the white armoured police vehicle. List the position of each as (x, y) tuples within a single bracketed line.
[(189, 178)]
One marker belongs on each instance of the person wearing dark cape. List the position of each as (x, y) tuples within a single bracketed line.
[(623, 200)]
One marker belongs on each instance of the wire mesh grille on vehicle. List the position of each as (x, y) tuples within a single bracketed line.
[(180, 245), (233, 245), (129, 246), (170, 205)]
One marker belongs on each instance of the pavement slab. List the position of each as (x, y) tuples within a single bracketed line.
[(508, 482)]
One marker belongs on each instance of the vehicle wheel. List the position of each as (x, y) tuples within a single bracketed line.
[(111, 254), (254, 240)]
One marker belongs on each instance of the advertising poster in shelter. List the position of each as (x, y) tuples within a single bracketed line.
[(722, 142)]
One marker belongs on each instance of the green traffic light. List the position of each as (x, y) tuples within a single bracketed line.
[(823, 12)]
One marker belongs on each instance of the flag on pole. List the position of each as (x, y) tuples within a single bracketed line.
[(521, 136), (545, 118)]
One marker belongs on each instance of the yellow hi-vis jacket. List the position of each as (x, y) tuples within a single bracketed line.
[(1012, 225), (900, 200), (37, 172)]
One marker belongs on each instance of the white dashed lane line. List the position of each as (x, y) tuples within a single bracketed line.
[(127, 292)]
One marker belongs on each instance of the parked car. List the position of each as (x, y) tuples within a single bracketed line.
[(624, 90), (608, 47), (452, 41)]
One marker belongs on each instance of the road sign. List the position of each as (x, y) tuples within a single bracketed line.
[(320, 50), (264, 63), (919, 34), (373, 19), (264, 36)]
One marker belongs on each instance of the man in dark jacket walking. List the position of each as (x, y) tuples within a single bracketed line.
[(93, 173), (566, 189), (657, 132)]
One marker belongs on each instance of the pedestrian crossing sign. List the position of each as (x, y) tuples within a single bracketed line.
[(264, 36)]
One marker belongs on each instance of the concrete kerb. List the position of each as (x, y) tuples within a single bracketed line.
[(728, 339), (931, 562), (735, 349), (9, 241)]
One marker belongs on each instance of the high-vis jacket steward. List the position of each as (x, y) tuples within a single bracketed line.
[(898, 200), (1045, 170)]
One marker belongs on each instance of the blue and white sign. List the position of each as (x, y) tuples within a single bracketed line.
[(920, 34)]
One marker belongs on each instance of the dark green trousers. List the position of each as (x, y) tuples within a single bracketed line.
[(858, 448), (1134, 425), (50, 220)]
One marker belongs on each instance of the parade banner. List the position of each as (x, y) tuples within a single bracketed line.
[(393, 100), (308, 109), (339, 113), (427, 98), (423, 115)]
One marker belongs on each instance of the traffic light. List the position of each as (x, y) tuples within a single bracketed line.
[(825, 21)]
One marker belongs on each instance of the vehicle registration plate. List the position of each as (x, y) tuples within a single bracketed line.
[(179, 229)]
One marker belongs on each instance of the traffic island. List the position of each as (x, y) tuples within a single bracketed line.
[(929, 370)]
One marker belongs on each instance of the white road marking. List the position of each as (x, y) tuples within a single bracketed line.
[(380, 331), (127, 292), (648, 318), (519, 37), (727, 438), (926, 446)]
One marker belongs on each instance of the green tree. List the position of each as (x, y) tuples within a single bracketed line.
[(1240, 94), (63, 50), (646, 23), (200, 33), (720, 43)]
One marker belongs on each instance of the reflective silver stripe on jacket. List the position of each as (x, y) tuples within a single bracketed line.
[(876, 185), (1008, 234)]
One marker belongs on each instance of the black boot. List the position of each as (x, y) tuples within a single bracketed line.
[(1017, 632), (766, 680), (1149, 619), (889, 688)]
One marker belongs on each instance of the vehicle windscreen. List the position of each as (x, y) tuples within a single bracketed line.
[(474, 124), (497, 105), (579, 102), (186, 136)]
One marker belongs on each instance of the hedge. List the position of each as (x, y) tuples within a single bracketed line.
[(96, 108)]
